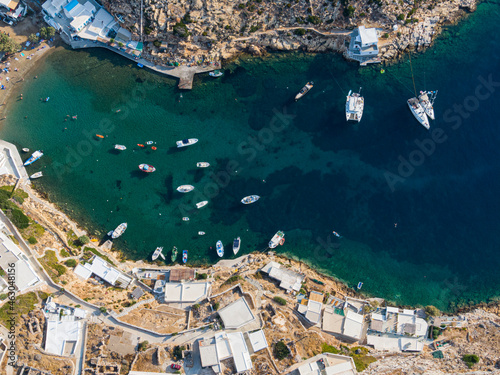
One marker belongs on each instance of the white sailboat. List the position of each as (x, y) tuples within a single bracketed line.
[(415, 106), (418, 112), (354, 106), (426, 100)]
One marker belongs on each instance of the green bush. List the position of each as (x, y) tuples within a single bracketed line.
[(401, 17), (280, 300), (32, 240), (103, 310), (349, 11), (157, 43), (470, 359), (64, 253), (325, 348), (201, 276), (180, 29), (61, 270), (18, 218), (216, 306), (187, 18), (300, 32), (281, 351), (177, 352), (3, 296), (143, 346), (71, 263), (33, 38), (83, 240), (432, 310), (315, 20)]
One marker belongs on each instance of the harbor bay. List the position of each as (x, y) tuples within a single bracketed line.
[(417, 209)]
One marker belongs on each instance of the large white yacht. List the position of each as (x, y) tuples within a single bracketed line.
[(354, 106)]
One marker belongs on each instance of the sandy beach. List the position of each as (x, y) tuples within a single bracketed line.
[(21, 63)]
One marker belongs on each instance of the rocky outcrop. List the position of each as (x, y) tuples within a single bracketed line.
[(207, 30)]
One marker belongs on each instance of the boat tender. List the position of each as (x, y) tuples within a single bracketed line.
[(304, 90), (354, 106), (147, 168), (120, 147), (216, 73), (118, 231), (275, 241), (185, 188), (34, 157), (236, 245), (186, 142), (418, 112), (220, 248), (185, 218), (36, 175), (202, 164), (201, 204), (250, 199), (200, 233), (26, 150)]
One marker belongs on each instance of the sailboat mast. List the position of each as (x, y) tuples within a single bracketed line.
[(413, 78)]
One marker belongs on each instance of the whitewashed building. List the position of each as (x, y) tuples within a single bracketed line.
[(364, 46)]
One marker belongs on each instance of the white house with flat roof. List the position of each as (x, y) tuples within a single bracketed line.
[(343, 322), (289, 280), (103, 270), (363, 46), (236, 314), (53, 7), (64, 328), (324, 364), (257, 340), (186, 292), (10, 254), (397, 330)]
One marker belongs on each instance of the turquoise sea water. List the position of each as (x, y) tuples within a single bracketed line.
[(314, 172)]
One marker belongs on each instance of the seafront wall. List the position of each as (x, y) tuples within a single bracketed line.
[(13, 162)]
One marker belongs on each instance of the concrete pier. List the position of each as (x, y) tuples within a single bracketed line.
[(11, 162), (184, 73)]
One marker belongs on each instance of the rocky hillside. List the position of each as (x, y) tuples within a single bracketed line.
[(197, 30), (481, 338)]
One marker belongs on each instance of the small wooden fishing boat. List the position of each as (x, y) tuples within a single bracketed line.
[(99, 136), (36, 175), (147, 168), (174, 254), (120, 147), (304, 90)]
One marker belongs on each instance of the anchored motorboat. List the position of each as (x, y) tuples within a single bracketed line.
[(158, 253), (220, 248), (276, 240), (202, 164), (36, 175), (185, 188), (201, 204), (120, 147), (236, 245), (34, 157), (304, 90), (186, 142), (147, 168), (118, 231), (250, 199)]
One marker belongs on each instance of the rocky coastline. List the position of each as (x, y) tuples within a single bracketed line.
[(189, 31)]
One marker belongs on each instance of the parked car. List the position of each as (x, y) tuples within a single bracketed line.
[(175, 366), (8, 22)]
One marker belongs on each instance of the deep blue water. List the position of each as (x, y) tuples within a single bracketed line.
[(314, 172)]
